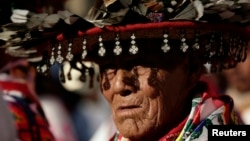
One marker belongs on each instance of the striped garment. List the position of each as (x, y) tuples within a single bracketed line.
[(28, 116)]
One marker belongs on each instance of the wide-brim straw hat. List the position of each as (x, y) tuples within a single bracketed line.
[(217, 30)]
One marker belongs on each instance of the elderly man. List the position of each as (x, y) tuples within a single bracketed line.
[(151, 56)]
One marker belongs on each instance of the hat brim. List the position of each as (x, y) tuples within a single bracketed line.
[(228, 34)]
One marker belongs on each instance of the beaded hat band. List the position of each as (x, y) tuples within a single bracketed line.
[(222, 45)]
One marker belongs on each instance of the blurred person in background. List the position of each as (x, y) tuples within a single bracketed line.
[(50, 95), (87, 106), (17, 82), (75, 106), (238, 86)]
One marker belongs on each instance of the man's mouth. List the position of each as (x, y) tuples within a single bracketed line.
[(127, 110)]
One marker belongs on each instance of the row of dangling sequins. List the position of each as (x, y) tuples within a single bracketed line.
[(56, 55), (134, 48)]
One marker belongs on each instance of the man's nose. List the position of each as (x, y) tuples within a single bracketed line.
[(124, 82)]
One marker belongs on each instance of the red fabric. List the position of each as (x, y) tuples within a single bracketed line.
[(172, 134), (211, 90), (168, 24), (8, 85), (22, 87)]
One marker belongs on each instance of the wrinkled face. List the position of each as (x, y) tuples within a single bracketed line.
[(145, 100)]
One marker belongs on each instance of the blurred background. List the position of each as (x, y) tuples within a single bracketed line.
[(75, 110)]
